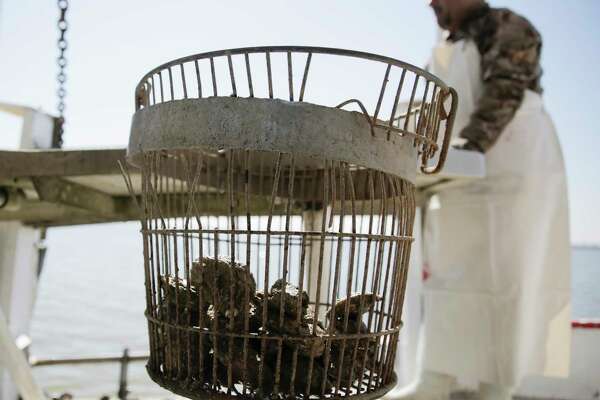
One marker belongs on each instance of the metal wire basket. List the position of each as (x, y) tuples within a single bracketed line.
[(277, 232)]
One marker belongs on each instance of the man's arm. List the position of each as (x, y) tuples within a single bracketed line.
[(510, 61)]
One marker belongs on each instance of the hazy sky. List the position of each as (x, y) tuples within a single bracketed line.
[(113, 43)]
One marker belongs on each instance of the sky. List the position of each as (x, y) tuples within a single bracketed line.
[(112, 44)]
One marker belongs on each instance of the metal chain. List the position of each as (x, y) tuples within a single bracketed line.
[(62, 25)]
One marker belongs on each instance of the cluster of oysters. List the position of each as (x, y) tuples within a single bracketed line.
[(267, 342)]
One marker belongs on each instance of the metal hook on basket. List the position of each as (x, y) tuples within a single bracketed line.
[(450, 118), (364, 111)]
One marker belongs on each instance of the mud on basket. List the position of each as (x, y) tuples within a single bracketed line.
[(276, 229)]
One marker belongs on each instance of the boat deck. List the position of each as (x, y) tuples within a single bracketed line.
[(74, 187)]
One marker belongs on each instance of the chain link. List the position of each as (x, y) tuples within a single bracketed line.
[(62, 25)]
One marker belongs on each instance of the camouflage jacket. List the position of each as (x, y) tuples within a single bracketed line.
[(510, 50)]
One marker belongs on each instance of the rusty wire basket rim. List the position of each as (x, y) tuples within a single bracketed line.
[(299, 49), (431, 110), (357, 235)]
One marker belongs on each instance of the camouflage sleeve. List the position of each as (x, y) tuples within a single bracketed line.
[(510, 64)]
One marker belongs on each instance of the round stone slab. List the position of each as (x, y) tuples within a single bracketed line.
[(312, 133)]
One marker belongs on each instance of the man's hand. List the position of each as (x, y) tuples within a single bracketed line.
[(469, 145)]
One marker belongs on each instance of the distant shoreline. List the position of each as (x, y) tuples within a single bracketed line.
[(586, 246)]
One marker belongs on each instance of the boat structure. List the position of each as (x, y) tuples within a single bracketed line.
[(184, 135)]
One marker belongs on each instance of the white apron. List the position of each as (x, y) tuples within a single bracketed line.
[(497, 303)]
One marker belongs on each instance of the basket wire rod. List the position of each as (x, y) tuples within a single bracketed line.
[(398, 278), (149, 89), (186, 254), (248, 183), (163, 265), (165, 272), (153, 89), (439, 108), (305, 76), (171, 189), (215, 320), (170, 73), (230, 156), (423, 109), (426, 115), (178, 300), (188, 245), (182, 210), (351, 273), (395, 250), (378, 264), (411, 101), (146, 175), (437, 104), (371, 188), (347, 175), (148, 260), (290, 75), (162, 90), (169, 332), (284, 276), (352, 263), (333, 198), (217, 184), (249, 75), (396, 101), (431, 112), (363, 217), (408, 212), (146, 171), (269, 76), (261, 186), (340, 246), (200, 284), (193, 178), (298, 308), (326, 186), (280, 223), (213, 75), (231, 75), (382, 91), (185, 94), (406, 248), (337, 272), (386, 282), (309, 219), (198, 79), (291, 200), (379, 273), (267, 261)]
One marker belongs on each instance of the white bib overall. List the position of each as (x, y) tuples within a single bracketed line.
[(497, 303)]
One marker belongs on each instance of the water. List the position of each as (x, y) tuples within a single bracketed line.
[(91, 302)]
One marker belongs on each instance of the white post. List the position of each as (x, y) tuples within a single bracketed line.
[(312, 221), (14, 361), (19, 261)]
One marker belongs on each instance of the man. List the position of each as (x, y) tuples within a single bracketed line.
[(497, 301)]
